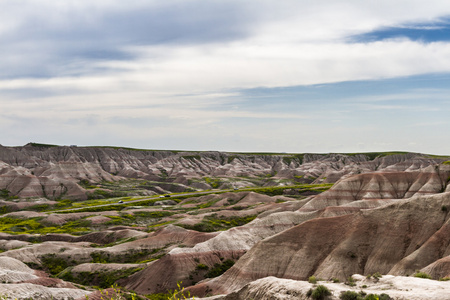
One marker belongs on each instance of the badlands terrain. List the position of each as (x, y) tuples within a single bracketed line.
[(77, 220)]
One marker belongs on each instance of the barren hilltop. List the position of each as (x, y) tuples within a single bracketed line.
[(222, 225)]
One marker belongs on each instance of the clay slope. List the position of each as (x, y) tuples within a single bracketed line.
[(383, 185), (346, 198), (45, 171), (181, 264), (398, 238), (21, 282)]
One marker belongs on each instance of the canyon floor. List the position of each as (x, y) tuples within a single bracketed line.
[(76, 221)]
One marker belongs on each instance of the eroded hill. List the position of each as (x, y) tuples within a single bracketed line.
[(73, 218)]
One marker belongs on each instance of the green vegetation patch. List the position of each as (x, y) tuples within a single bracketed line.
[(36, 226), (278, 190), (352, 295), (320, 292), (153, 214), (133, 256), (422, 275), (6, 194), (219, 269), (53, 264), (101, 279), (213, 182), (215, 223)]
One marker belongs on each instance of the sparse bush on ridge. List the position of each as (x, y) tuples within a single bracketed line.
[(350, 281), (321, 292), (219, 269), (422, 275), (352, 295)]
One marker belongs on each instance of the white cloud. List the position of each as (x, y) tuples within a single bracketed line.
[(186, 89)]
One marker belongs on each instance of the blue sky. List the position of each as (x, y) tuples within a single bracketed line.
[(266, 75)]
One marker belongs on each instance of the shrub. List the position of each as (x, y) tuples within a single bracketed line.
[(202, 267), (53, 263), (377, 275), (312, 279), (422, 275), (350, 281), (321, 292), (350, 295), (219, 269)]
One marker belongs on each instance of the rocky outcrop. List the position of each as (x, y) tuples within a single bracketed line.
[(397, 238), (21, 282), (48, 171), (396, 287), (382, 185)]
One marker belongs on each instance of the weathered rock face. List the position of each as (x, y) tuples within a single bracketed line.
[(382, 185), (397, 287), (386, 214), (42, 171), (397, 238), (21, 282)]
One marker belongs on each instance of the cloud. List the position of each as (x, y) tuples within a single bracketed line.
[(227, 75), (425, 32)]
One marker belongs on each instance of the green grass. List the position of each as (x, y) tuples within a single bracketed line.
[(213, 182), (278, 190), (103, 280), (214, 223), (53, 263), (7, 195), (36, 226)]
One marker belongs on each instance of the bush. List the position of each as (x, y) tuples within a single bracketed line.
[(422, 275), (350, 295), (53, 263), (202, 267), (219, 269), (350, 281), (312, 279), (321, 292)]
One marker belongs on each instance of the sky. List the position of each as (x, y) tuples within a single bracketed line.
[(290, 76)]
